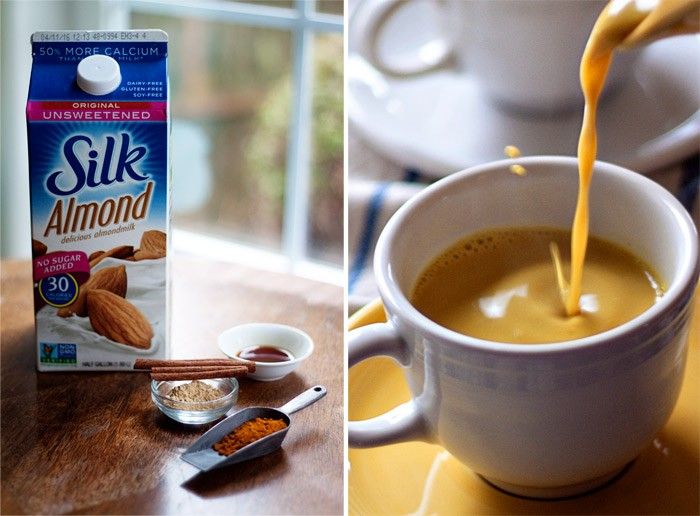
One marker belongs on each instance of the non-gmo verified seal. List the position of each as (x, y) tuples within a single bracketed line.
[(59, 290), (57, 353)]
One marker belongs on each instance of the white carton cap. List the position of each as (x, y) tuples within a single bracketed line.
[(98, 75)]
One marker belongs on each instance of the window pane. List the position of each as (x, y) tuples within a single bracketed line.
[(273, 3), (326, 203), (330, 6), (230, 109), (322, 6)]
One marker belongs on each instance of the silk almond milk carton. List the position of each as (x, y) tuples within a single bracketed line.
[(98, 128)]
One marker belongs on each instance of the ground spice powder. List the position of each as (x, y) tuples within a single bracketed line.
[(194, 395), (195, 391), (248, 432)]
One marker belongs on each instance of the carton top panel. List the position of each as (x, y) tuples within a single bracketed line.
[(141, 55)]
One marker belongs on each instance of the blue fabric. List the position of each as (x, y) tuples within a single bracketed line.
[(689, 183), (370, 226)]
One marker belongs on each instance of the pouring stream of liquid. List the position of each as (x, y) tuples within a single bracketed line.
[(623, 23)]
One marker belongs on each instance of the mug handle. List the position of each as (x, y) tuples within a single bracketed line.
[(400, 424), (378, 12)]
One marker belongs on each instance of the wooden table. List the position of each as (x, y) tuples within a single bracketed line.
[(95, 443)]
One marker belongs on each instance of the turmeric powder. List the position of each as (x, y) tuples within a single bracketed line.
[(248, 432)]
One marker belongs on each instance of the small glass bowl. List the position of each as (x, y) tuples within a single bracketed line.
[(195, 412)]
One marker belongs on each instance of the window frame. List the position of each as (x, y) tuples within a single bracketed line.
[(303, 21)]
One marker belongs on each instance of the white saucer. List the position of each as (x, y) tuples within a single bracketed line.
[(441, 122)]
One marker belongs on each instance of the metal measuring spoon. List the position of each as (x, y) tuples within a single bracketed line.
[(201, 454)]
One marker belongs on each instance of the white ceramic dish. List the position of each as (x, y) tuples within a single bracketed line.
[(441, 122), (298, 343)]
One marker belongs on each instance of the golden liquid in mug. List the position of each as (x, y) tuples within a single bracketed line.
[(501, 285)]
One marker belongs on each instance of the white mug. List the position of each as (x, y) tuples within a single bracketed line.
[(524, 54), (540, 420)]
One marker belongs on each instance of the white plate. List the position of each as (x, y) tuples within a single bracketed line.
[(440, 122)]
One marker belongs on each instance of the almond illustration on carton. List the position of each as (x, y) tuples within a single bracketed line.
[(94, 255), (38, 248), (112, 279), (122, 251), (117, 319), (153, 245), (147, 255)]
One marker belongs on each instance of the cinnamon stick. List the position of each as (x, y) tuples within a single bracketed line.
[(227, 372), (191, 369), (148, 363)]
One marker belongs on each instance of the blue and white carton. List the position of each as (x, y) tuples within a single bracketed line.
[(99, 174)]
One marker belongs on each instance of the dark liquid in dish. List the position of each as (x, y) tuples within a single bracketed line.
[(265, 354)]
